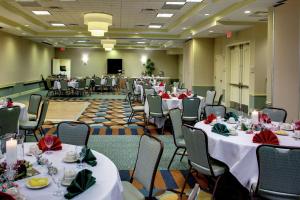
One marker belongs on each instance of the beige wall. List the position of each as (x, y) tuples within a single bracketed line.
[(198, 62), (286, 61), (257, 37), (23, 60), (131, 61)]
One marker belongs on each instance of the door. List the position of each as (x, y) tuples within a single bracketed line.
[(239, 77)]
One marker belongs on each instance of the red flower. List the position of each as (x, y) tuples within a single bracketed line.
[(210, 118)]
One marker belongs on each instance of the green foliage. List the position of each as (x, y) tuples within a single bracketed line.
[(149, 65)]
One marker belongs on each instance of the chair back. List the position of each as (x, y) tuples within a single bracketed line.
[(218, 110), (148, 157), (155, 105), (220, 99), (175, 115), (109, 82), (75, 133), (34, 103), (147, 86), (43, 113), (130, 99), (9, 120), (197, 148), (190, 108), (210, 97), (48, 83), (182, 90), (64, 85), (130, 85), (276, 114), (97, 81), (88, 82), (176, 84), (81, 83), (279, 176)]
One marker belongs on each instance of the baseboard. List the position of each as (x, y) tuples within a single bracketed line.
[(24, 93)]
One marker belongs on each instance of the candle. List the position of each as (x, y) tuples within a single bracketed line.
[(254, 117), (11, 151), (174, 90)]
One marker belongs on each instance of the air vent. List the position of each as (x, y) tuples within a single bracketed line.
[(149, 11), (29, 4), (73, 24), (140, 26), (55, 8), (172, 6), (259, 14), (47, 43), (263, 20), (279, 3)]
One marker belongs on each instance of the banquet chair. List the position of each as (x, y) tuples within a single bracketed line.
[(75, 133), (199, 157), (64, 90), (150, 91), (97, 84), (220, 100), (276, 114), (176, 84), (279, 176), (218, 110), (134, 109), (155, 108), (190, 110), (81, 87), (51, 90), (109, 84), (88, 86), (33, 126), (34, 106), (210, 97), (149, 154), (9, 119), (175, 115)]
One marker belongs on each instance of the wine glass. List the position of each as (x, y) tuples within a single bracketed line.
[(57, 180), (81, 152), (48, 142)]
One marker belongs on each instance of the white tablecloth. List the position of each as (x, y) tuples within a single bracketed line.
[(73, 84), (23, 111), (104, 81), (239, 152), (168, 104), (108, 184), (158, 88)]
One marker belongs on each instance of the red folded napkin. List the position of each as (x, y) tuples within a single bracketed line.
[(161, 84), (265, 118), (297, 125), (165, 96), (55, 147), (182, 96), (6, 196), (189, 93), (266, 137), (210, 118), (10, 104)]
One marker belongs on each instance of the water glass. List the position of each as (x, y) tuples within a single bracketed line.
[(20, 148), (80, 151), (57, 181), (48, 142)]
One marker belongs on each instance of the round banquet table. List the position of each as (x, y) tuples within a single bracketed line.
[(108, 184), (168, 104), (23, 111), (239, 152)]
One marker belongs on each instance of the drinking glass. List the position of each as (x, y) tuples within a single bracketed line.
[(57, 180), (80, 151), (48, 142), (20, 148)]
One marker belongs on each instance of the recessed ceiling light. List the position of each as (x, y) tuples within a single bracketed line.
[(41, 12), (247, 12), (154, 26), (23, 33), (81, 41), (26, 25), (206, 14), (164, 15), (194, 1), (184, 28), (57, 24), (141, 42), (211, 31), (175, 3), (136, 33)]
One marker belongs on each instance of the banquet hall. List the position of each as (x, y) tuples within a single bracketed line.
[(149, 99)]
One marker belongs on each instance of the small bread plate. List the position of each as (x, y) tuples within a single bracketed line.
[(37, 182), (69, 160)]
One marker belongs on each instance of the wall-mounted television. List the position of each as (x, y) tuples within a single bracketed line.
[(62, 68), (114, 66)]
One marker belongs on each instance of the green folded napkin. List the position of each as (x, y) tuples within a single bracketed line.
[(89, 157), (231, 114), (83, 181), (220, 129)]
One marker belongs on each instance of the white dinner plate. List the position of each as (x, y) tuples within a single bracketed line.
[(37, 187)]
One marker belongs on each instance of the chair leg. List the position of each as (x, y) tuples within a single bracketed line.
[(182, 155), (25, 134), (174, 154), (215, 187), (35, 135), (42, 131), (185, 181)]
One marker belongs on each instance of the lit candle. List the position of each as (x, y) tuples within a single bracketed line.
[(254, 117), (11, 151)]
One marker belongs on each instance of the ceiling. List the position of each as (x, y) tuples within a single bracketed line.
[(209, 18)]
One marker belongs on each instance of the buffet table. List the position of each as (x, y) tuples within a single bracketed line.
[(108, 184), (239, 152)]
